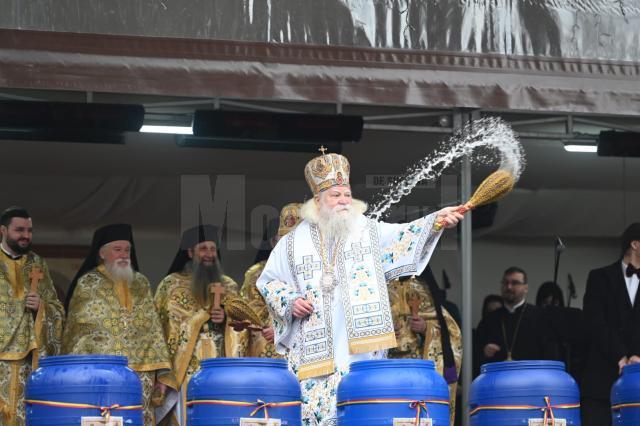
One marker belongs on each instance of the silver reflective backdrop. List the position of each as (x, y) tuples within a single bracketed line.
[(586, 29)]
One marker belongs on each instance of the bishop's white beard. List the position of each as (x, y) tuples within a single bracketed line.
[(120, 270), (338, 222)]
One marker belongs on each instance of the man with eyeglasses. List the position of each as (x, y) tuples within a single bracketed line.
[(518, 330)]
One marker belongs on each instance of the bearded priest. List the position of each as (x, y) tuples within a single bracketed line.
[(110, 311), (326, 283), (194, 328), (30, 314)]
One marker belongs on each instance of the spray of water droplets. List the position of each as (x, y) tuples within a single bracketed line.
[(490, 139)]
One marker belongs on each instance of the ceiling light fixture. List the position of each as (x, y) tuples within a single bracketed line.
[(577, 147), (172, 130), (581, 143)]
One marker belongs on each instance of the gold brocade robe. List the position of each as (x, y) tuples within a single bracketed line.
[(112, 318), (190, 336), (429, 346), (23, 338), (258, 346)]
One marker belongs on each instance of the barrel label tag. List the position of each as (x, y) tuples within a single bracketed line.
[(411, 422), (245, 421), (540, 422), (102, 421)]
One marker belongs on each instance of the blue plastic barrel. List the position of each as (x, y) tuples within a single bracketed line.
[(625, 397), (378, 391), (226, 390), (511, 393), (64, 389)]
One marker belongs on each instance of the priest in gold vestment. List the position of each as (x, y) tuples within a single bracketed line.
[(260, 343), (194, 328), (419, 320), (30, 313), (110, 311)]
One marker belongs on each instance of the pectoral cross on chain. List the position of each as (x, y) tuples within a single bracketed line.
[(35, 275)]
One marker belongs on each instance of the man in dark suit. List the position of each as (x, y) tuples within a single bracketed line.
[(612, 310), (518, 330)]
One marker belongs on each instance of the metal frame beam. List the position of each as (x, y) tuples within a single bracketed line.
[(402, 128), (407, 115), (459, 120)]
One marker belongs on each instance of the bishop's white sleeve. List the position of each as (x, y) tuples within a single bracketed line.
[(407, 247), (277, 286)]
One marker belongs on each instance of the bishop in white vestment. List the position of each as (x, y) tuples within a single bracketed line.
[(325, 283)]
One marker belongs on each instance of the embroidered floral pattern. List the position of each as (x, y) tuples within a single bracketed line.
[(363, 285), (279, 298), (319, 399), (405, 241), (13, 379)]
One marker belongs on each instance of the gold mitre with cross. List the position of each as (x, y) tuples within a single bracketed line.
[(289, 218), (327, 170)]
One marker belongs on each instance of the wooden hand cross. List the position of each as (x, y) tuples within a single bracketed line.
[(414, 303), (36, 275), (218, 291)]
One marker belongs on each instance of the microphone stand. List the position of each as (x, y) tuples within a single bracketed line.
[(558, 249), (572, 291)]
